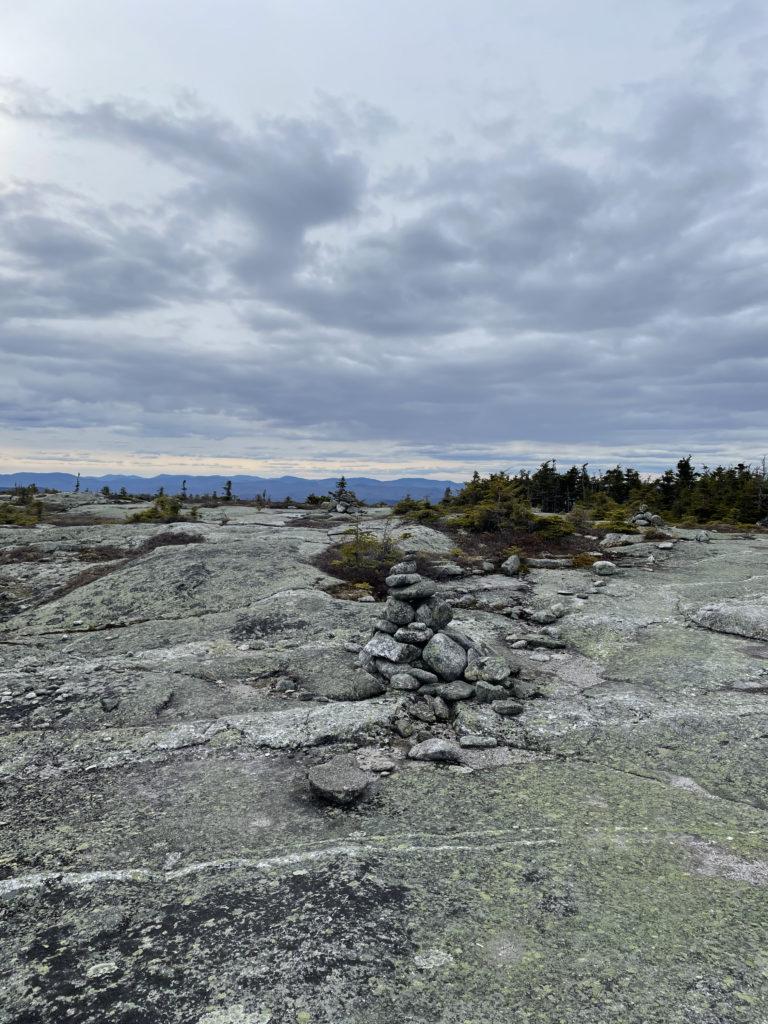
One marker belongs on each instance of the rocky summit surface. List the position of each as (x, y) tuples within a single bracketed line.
[(215, 811)]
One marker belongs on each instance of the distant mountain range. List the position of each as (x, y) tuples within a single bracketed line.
[(366, 489)]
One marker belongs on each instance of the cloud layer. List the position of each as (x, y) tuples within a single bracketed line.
[(596, 285)]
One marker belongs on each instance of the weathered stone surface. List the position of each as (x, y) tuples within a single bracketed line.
[(403, 568), (457, 690), (184, 846), (437, 749), (449, 571), (384, 626), (739, 617), (404, 579), (416, 633), (445, 657), (474, 740), (487, 692), (338, 781), (416, 592), (489, 668), (549, 563), (458, 636), (382, 645), (403, 681), (435, 613), (543, 617), (399, 612)]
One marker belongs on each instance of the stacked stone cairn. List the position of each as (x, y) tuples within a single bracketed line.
[(415, 649), (644, 517)]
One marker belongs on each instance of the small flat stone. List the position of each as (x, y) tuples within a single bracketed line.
[(507, 708), (403, 681), (457, 690), (385, 626), (437, 749), (403, 568), (338, 782), (475, 740), (413, 593), (416, 633), (403, 579)]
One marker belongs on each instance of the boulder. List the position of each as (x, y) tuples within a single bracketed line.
[(604, 568), (511, 566), (447, 658)]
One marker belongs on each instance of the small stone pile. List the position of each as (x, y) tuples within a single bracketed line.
[(341, 501), (644, 517), (414, 648)]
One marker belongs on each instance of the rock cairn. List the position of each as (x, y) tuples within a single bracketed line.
[(644, 517), (414, 648), (342, 501)]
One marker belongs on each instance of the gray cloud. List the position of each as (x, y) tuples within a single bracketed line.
[(599, 286)]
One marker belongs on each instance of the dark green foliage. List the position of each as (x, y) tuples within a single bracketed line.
[(21, 513), (418, 511), (492, 503), (164, 510), (228, 491)]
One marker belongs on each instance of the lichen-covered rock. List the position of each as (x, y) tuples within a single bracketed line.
[(415, 592), (403, 681), (416, 633), (403, 579), (382, 645), (399, 612), (435, 613), (508, 708), (457, 690), (738, 617), (445, 657), (488, 692), (338, 781), (437, 749)]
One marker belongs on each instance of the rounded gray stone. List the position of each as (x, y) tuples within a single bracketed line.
[(445, 657), (399, 612), (338, 782)]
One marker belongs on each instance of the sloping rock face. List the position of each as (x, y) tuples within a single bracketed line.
[(208, 818)]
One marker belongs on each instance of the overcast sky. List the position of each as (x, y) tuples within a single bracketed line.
[(269, 236)]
